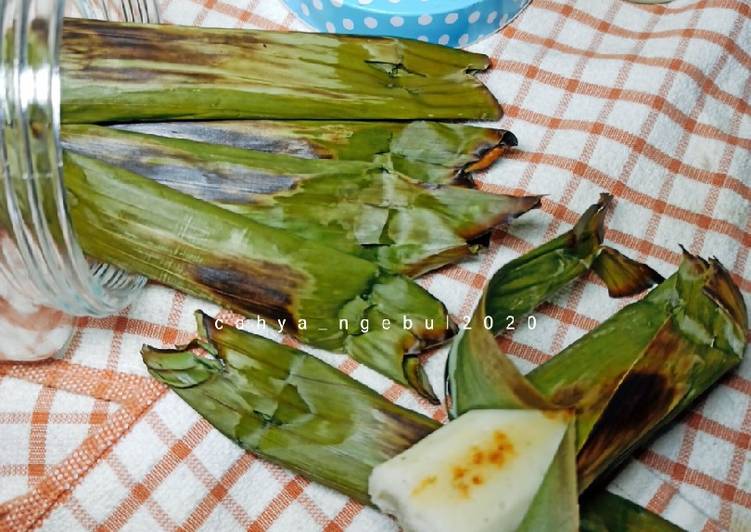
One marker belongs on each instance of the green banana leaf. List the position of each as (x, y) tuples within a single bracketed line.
[(355, 207), (627, 378), (121, 72), (433, 152), (672, 346), (478, 374), (702, 290), (287, 406), (294, 410), (555, 506), (313, 292)]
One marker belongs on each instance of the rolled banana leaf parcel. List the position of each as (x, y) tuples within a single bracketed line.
[(120, 72), (431, 152), (625, 379), (357, 207), (295, 410), (321, 296), (478, 374), (354, 207)]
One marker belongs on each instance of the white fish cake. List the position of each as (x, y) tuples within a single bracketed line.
[(478, 473)]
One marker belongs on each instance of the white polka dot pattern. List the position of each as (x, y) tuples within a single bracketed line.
[(448, 22)]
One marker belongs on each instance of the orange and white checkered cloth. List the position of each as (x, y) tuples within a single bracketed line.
[(651, 103)]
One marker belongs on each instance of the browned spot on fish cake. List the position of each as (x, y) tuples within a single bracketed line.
[(470, 472), (423, 484)]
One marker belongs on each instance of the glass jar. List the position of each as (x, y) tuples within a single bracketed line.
[(45, 280)]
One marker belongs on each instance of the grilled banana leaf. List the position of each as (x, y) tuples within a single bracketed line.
[(639, 369), (433, 152), (293, 409), (628, 377), (288, 406), (708, 309), (353, 206), (478, 374), (315, 293), (120, 72)]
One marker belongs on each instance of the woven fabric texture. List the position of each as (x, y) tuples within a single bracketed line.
[(649, 103)]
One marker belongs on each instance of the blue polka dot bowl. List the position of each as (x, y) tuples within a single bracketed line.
[(448, 22)]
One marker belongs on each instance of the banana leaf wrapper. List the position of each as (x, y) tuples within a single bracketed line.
[(120, 72), (355, 207), (627, 378), (478, 374), (433, 152), (287, 406), (554, 506), (306, 288), (641, 368), (296, 411)]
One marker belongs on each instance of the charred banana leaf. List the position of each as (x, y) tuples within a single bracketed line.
[(645, 365), (628, 377), (288, 407), (478, 374), (432, 152), (318, 294), (119, 72), (353, 206), (481, 378), (295, 410)]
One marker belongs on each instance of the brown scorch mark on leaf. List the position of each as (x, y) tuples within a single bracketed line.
[(624, 276), (568, 396), (522, 205), (489, 154), (150, 74), (641, 400), (721, 289), (142, 43), (265, 289)]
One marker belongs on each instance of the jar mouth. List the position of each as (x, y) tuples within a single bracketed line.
[(39, 253)]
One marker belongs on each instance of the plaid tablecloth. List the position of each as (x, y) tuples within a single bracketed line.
[(650, 103)]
